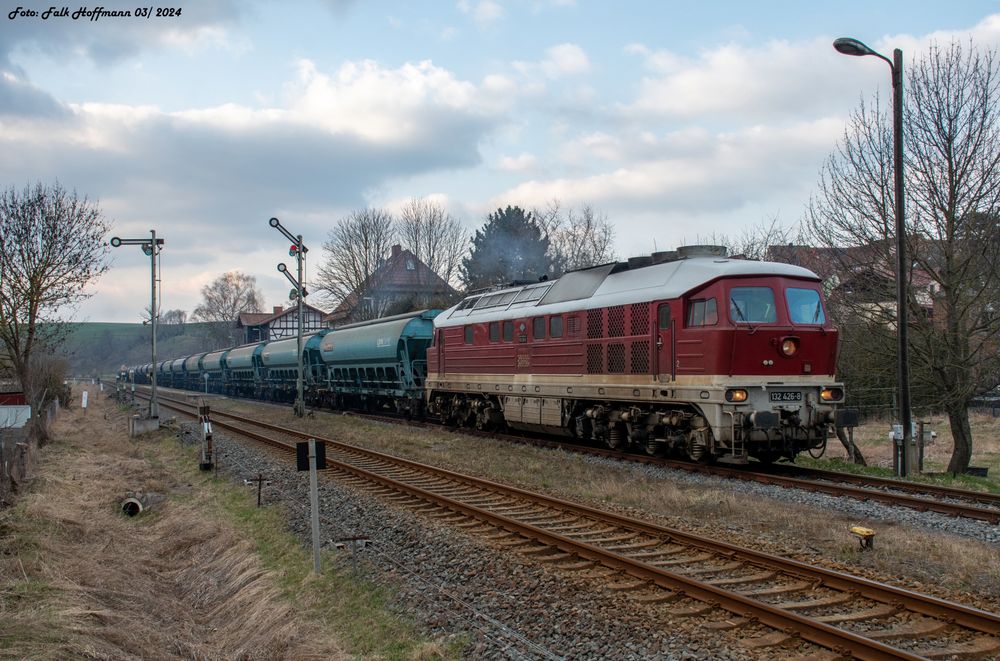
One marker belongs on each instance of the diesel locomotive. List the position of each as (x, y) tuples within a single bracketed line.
[(685, 352)]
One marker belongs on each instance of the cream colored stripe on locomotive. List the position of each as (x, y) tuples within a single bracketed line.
[(615, 387)]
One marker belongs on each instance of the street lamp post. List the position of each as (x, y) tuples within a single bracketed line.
[(849, 46), (151, 247), (297, 250)]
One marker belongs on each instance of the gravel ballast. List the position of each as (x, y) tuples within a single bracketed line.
[(862, 510), (455, 584)]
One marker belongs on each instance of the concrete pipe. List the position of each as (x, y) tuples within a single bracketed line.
[(132, 507)]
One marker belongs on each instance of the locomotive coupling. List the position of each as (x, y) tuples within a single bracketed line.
[(763, 419)]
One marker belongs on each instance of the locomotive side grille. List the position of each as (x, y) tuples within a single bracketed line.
[(595, 324), (640, 357), (595, 359), (616, 321), (573, 326), (616, 358), (640, 319)]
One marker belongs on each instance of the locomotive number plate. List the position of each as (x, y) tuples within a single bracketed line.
[(785, 396)]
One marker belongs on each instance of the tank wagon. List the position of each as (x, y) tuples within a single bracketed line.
[(687, 352), (697, 354)]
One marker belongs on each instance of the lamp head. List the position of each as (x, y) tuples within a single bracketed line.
[(850, 46)]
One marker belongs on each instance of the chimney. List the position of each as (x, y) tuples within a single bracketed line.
[(397, 250), (278, 309)]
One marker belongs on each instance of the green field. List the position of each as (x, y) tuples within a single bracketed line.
[(99, 347)]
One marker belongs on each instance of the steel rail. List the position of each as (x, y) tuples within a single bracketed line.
[(965, 616), (961, 510), (983, 497)]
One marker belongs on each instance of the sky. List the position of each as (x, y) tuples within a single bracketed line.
[(676, 120)]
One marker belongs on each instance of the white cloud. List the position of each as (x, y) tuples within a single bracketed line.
[(565, 59), (520, 163), (690, 170), (482, 12), (774, 80), (559, 61)]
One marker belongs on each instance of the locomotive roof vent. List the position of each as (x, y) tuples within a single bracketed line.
[(639, 262), (664, 256), (685, 252)]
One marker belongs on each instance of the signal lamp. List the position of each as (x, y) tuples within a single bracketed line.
[(293, 250), (789, 346), (831, 394), (737, 395)]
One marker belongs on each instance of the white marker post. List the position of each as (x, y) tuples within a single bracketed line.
[(311, 456), (84, 403)]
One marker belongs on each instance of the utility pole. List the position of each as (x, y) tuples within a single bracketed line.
[(151, 247), (297, 250)]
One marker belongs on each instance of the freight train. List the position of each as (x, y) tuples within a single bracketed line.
[(685, 352)]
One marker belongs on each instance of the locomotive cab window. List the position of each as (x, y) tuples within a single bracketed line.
[(468, 334), (494, 331), (804, 306), (538, 328), (703, 312), (752, 305), (555, 327)]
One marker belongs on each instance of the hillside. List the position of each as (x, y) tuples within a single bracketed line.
[(100, 348)]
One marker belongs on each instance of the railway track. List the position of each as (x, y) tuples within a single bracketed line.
[(736, 587), (923, 497)]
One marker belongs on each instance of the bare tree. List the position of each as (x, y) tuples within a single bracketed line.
[(224, 299), (174, 317), (952, 139), (227, 296), (51, 248), (577, 239), (753, 242), (434, 236), (354, 249)]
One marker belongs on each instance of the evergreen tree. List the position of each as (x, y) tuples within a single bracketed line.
[(510, 246)]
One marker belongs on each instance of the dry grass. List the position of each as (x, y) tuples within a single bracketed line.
[(184, 580), (936, 563), (873, 439)]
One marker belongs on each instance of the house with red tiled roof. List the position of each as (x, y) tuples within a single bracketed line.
[(279, 323), (401, 281)]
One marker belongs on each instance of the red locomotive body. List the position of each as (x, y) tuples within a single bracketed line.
[(700, 355)]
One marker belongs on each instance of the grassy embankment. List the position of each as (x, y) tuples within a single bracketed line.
[(204, 574), (873, 440)]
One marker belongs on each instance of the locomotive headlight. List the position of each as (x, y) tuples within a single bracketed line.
[(736, 395), (789, 346), (831, 394)]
